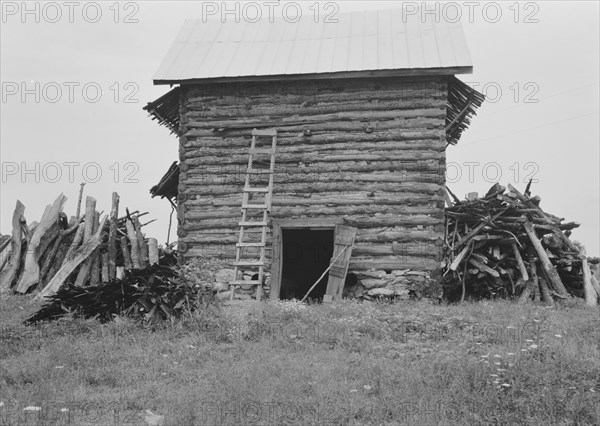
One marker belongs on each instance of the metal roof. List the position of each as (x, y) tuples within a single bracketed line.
[(375, 41)]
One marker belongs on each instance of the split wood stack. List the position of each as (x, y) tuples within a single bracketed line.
[(84, 251), (504, 244)]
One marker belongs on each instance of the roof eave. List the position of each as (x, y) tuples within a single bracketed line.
[(412, 72)]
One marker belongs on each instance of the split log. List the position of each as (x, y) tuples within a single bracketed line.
[(126, 254), (199, 188), (308, 177), (391, 220), (112, 237), (325, 121), (104, 268), (483, 267), (287, 212), (460, 257), (547, 266), (356, 198), (591, 298), (78, 213), (8, 275), (317, 138), (266, 108), (526, 294), (142, 246), (546, 297), (144, 255), (532, 287), (332, 156), (31, 268), (133, 240), (320, 91), (393, 235), (153, 251), (51, 235), (397, 249), (84, 272), (520, 263), (232, 216), (76, 242), (389, 263), (90, 214), (59, 258), (81, 254), (50, 257), (534, 275), (95, 278), (423, 146), (90, 211)]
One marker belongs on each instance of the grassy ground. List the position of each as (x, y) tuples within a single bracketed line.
[(285, 363)]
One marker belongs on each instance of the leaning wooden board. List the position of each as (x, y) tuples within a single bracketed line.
[(343, 241)]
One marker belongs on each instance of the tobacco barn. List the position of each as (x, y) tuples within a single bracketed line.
[(313, 154)]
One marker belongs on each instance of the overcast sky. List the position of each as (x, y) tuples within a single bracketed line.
[(537, 62)]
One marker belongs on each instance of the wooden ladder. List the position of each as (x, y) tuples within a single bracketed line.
[(242, 259)]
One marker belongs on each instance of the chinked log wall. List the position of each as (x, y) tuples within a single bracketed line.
[(375, 159)]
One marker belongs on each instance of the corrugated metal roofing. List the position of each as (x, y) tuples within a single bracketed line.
[(359, 41)]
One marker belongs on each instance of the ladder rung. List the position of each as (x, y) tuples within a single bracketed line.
[(249, 263), (262, 151), (252, 224), (256, 190), (269, 132), (250, 244), (254, 206), (244, 282), (259, 172)]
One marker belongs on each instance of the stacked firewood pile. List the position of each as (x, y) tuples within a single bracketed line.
[(84, 250), (504, 244)]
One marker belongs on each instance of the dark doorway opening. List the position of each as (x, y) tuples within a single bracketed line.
[(306, 254)]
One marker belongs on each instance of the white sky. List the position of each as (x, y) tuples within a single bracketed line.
[(554, 61)]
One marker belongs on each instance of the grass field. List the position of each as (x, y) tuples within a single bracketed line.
[(285, 363)]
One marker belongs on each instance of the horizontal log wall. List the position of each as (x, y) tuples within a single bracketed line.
[(374, 159)]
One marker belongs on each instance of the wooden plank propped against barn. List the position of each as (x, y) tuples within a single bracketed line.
[(343, 241)]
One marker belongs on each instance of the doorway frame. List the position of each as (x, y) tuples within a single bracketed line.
[(322, 224)]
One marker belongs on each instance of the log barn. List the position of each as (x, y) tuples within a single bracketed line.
[(308, 144)]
